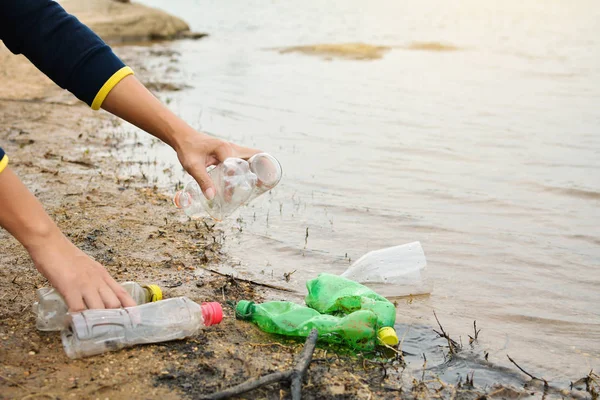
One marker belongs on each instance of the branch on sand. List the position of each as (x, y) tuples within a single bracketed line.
[(250, 281), (295, 375)]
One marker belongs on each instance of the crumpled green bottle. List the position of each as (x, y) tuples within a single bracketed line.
[(333, 294), (357, 330)]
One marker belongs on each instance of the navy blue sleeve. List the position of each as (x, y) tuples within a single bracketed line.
[(3, 160), (63, 48)]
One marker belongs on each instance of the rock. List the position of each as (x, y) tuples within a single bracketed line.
[(122, 21), (192, 35)]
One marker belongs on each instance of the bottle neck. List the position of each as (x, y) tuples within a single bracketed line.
[(147, 295), (182, 199), (152, 293)]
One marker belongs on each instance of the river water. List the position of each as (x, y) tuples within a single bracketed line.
[(489, 155)]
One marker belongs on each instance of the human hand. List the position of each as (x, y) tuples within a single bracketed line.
[(197, 151), (83, 282)]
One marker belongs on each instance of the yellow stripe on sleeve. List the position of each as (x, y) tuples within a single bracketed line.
[(109, 85), (3, 163)]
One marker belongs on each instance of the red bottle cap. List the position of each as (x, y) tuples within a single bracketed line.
[(212, 313)]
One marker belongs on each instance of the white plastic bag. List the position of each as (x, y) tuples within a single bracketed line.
[(393, 271)]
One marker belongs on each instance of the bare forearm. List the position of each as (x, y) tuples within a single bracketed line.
[(131, 101), (22, 215)]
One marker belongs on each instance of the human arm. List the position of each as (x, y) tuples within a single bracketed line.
[(76, 59), (131, 101), (83, 282)]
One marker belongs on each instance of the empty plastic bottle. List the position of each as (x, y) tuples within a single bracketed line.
[(51, 308), (237, 182), (357, 330), (393, 271), (333, 294), (92, 332)]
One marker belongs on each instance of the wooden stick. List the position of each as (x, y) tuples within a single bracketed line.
[(295, 375), (302, 365), (251, 384), (452, 345), (251, 281), (527, 373)]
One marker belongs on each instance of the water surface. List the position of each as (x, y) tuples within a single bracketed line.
[(489, 155)]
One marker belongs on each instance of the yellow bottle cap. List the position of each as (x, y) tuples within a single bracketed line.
[(155, 292), (388, 336)]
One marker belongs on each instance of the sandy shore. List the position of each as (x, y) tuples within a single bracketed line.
[(60, 149)]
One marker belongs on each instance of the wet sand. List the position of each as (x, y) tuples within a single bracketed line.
[(132, 228), (61, 150), (351, 51)]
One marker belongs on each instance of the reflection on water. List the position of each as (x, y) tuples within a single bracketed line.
[(489, 155)]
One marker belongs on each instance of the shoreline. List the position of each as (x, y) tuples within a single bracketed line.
[(61, 150)]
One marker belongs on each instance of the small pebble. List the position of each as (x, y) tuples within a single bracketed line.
[(32, 353)]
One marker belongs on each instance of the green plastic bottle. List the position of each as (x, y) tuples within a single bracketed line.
[(357, 330), (333, 294)]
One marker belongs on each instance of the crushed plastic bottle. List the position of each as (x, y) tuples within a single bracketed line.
[(51, 308), (237, 182), (333, 294), (357, 330), (92, 332), (393, 271)]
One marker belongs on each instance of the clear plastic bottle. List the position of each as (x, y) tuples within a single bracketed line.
[(92, 332), (51, 308), (393, 271), (237, 182)]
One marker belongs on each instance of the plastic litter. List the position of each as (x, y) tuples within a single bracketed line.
[(342, 311), (51, 309), (357, 330), (393, 271), (237, 182), (92, 332)]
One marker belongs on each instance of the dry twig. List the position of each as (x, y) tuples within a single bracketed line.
[(452, 344), (476, 335), (527, 373), (295, 375), (251, 281)]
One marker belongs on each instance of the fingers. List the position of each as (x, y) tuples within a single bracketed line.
[(99, 298), (74, 301), (121, 294), (244, 152), (109, 298), (98, 291), (105, 296), (206, 152), (203, 179), (83, 282), (92, 299)]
